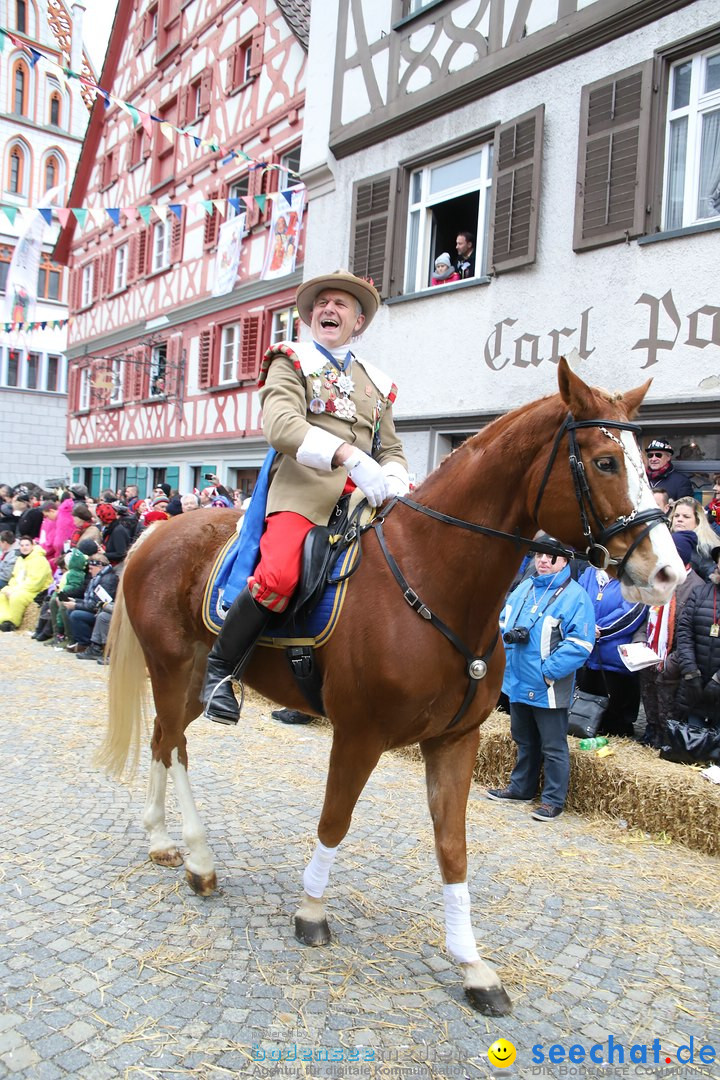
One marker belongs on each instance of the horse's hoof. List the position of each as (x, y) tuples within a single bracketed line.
[(170, 857), (491, 1001), (201, 884), (312, 933)]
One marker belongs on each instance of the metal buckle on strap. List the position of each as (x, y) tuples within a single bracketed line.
[(416, 603)]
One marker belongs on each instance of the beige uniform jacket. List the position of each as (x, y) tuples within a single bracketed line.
[(292, 374)]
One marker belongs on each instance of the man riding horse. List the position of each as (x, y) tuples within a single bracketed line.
[(328, 414)]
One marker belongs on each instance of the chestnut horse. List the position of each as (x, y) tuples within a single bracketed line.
[(409, 680)]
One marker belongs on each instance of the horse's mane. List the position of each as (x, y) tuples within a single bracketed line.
[(539, 418)]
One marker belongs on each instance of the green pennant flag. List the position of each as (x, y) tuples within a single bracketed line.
[(10, 213), (208, 205), (134, 114), (2, 39), (144, 212), (80, 216), (261, 200)]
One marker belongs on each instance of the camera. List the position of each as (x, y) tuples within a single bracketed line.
[(519, 635), (209, 476)]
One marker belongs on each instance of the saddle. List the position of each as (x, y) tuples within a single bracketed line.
[(323, 570)]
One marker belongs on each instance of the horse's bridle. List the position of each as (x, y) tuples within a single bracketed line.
[(597, 554)]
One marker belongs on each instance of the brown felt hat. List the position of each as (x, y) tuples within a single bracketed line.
[(342, 280)]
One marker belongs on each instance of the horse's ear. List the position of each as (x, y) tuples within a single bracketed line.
[(633, 399), (577, 395)]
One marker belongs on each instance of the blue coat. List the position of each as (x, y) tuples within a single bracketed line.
[(562, 635), (617, 618)]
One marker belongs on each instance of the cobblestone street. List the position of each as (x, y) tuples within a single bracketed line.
[(110, 967)]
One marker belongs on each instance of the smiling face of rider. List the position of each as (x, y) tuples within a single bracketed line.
[(336, 317)]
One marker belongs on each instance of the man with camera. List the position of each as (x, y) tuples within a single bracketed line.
[(548, 626)]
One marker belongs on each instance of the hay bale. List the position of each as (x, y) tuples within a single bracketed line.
[(30, 617), (633, 785)]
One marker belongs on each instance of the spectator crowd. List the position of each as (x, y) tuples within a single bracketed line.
[(64, 551)]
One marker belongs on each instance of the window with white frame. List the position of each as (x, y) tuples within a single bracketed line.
[(289, 165), (53, 374), (238, 189), (446, 198), (32, 371), (12, 376), (285, 325), (117, 381), (87, 284), (121, 267), (84, 390), (692, 144), (229, 353), (161, 246), (158, 370)]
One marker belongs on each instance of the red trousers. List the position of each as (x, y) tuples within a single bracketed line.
[(278, 572)]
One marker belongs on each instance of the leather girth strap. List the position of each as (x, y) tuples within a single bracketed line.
[(412, 598)]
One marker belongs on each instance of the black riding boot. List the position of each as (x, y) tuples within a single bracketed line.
[(244, 623)]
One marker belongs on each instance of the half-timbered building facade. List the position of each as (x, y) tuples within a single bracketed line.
[(43, 118), (578, 141), (203, 124)]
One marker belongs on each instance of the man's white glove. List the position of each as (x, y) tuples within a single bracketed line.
[(366, 474)]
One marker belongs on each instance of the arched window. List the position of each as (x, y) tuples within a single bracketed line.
[(21, 16), (55, 109), (15, 172), (20, 85), (52, 172)]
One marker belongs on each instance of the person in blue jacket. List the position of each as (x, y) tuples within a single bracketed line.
[(616, 621), (548, 627)]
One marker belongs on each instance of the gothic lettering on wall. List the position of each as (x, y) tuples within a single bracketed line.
[(666, 329), (703, 326), (525, 348)]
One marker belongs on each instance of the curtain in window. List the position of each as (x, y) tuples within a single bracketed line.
[(676, 174), (709, 187)]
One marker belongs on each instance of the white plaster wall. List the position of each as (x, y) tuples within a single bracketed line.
[(435, 345), (33, 426)]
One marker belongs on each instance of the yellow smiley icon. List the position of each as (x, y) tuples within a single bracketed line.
[(502, 1053)]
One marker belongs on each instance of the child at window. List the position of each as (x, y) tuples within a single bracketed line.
[(444, 271)]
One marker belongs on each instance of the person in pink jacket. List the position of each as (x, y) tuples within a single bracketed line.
[(64, 524), (47, 539)]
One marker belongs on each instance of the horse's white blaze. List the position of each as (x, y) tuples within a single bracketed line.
[(199, 859), (459, 934), (154, 814), (641, 498)]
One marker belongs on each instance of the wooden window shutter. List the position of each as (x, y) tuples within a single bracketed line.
[(372, 221), (257, 50), (250, 347), (139, 375), (176, 239), (206, 91), (517, 158), (233, 61), (212, 224), (97, 276), (128, 369), (141, 253), (205, 358), (612, 158), (109, 271), (172, 369), (74, 285), (184, 95), (115, 165)]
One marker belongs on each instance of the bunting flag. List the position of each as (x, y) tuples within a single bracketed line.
[(99, 215), (43, 324), (137, 116)]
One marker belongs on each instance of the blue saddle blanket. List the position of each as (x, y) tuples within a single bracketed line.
[(315, 630)]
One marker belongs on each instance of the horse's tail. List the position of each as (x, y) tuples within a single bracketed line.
[(127, 693)]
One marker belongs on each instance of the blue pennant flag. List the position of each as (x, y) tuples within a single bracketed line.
[(176, 209), (46, 212), (34, 55), (113, 213)]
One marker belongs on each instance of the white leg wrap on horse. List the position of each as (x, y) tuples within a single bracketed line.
[(459, 935), (317, 872)]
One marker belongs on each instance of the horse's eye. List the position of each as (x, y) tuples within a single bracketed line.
[(606, 464)]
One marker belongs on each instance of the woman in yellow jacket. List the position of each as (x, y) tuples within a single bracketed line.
[(31, 575)]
